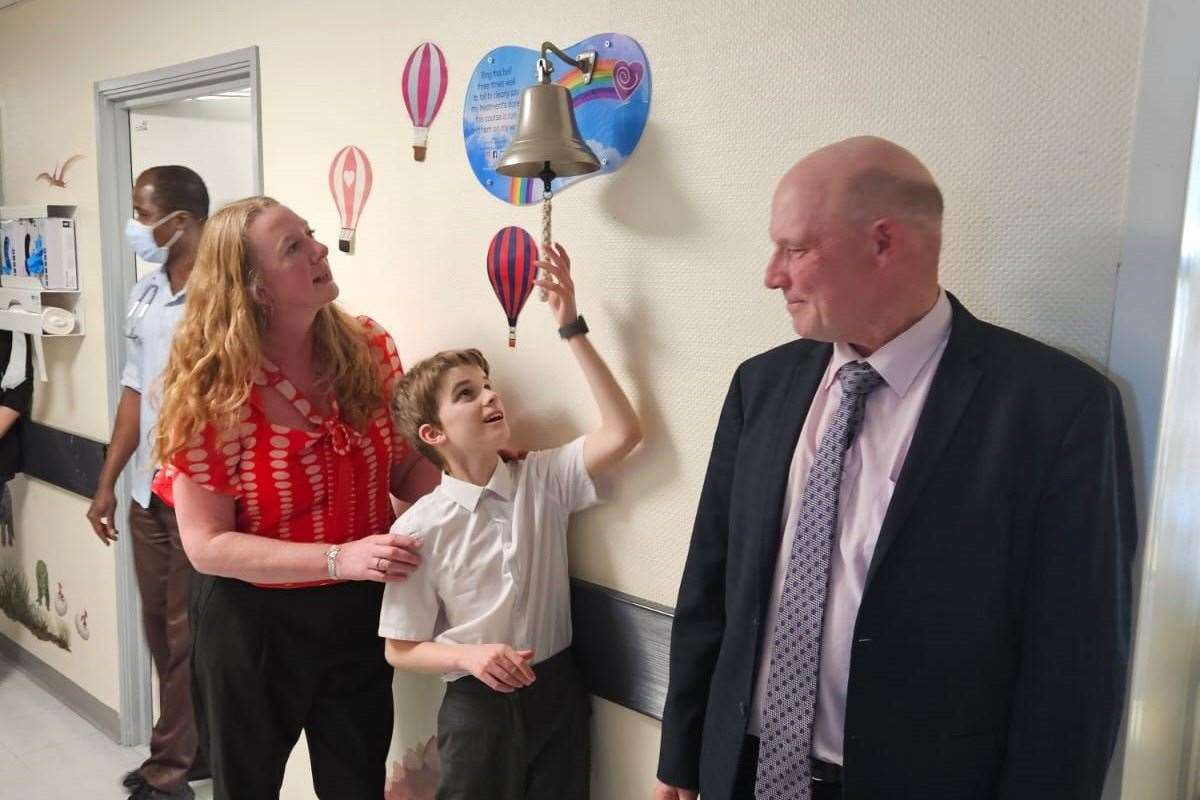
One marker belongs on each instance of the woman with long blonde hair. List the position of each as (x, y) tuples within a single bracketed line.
[(281, 453)]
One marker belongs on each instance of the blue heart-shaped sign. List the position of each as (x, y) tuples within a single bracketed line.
[(611, 110)]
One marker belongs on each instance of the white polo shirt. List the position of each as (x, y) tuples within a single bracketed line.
[(494, 558)]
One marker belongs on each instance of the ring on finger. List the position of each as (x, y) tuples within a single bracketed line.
[(379, 564)]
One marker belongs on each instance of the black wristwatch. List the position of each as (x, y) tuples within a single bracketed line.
[(573, 328)]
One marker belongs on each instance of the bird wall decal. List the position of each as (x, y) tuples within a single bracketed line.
[(59, 176)]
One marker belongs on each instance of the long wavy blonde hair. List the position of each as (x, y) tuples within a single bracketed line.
[(217, 348)]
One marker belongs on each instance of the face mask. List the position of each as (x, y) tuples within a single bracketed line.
[(141, 238)]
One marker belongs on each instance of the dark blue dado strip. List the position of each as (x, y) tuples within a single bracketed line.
[(66, 460), (622, 644)]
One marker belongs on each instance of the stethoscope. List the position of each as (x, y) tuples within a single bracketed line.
[(138, 310)]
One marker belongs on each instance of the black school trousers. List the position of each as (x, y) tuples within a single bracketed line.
[(270, 663), (531, 744)]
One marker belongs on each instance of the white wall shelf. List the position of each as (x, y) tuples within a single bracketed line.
[(21, 310)]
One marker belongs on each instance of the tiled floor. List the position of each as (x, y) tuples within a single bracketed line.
[(47, 752)]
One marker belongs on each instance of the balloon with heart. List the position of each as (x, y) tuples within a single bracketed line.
[(350, 184), (611, 109)]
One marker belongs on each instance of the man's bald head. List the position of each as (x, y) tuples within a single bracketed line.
[(857, 227), (865, 178)]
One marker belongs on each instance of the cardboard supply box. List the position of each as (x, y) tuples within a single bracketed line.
[(39, 247)]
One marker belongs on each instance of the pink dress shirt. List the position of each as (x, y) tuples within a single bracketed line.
[(872, 464)]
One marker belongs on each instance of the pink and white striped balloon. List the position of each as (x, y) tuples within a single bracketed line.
[(350, 184), (424, 91)]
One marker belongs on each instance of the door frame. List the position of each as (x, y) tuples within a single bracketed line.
[(1153, 755), (114, 100)]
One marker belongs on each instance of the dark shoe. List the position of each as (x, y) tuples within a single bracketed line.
[(133, 780), (199, 772), (148, 792)]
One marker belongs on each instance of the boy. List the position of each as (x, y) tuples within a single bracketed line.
[(490, 606)]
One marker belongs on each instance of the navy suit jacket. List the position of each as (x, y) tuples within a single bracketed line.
[(991, 648)]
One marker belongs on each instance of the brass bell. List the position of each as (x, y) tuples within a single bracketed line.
[(547, 143)]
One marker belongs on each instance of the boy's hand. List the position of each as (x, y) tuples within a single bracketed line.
[(561, 288), (498, 665)]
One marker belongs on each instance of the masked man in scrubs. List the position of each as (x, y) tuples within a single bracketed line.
[(170, 205)]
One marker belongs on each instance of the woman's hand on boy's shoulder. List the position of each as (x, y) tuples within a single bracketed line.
[(380, 557)]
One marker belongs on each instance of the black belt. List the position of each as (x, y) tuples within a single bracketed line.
[(824, 772)]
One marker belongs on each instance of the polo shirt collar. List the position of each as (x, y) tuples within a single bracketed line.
[(468, 494)]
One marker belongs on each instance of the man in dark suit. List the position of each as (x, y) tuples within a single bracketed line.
[(909, 574)]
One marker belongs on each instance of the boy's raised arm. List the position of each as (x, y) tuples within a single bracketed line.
[(620, 430)]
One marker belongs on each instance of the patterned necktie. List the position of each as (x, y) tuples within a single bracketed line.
[(784, 771)]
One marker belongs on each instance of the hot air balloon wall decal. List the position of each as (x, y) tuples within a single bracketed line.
[(511, 269), (424, 90), (350, 185)]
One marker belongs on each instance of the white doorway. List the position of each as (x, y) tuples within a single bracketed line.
[(205, 115), (212, 134)]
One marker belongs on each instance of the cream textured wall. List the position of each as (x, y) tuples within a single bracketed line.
[(1022, 109)]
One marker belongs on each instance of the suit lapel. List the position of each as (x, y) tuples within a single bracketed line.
[(953, 385), (787, 420)]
